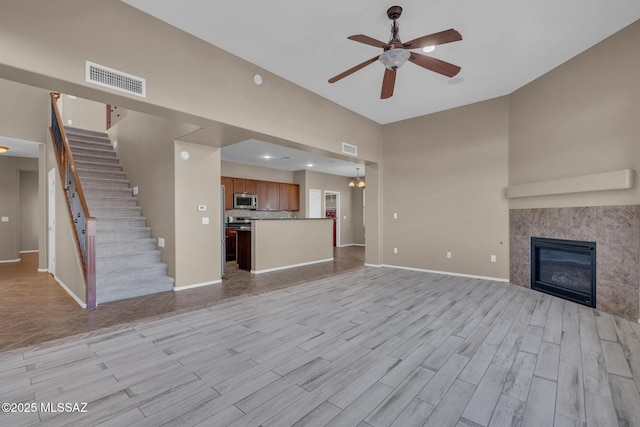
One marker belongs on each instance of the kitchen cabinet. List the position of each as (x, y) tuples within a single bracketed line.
[(289, 197), (228, 191), (230, 240), (268, 195), (244, 249), (241, 185)]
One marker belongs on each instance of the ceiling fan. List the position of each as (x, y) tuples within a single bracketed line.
[(396, 53)]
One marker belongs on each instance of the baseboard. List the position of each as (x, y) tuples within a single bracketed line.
[(448, 273), (373, 265), (43, 270), (352, 244), (9, 260), (74, 296), (29, 252), (196, 285), (290, 266)]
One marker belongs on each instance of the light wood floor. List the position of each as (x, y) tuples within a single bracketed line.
[(373, 347)]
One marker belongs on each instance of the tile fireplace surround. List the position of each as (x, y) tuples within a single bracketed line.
[(616, 231)]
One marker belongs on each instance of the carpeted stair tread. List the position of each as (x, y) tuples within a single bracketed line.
[(116, 263), (120, 248), (114, 212), (134, 289), (96, 166)]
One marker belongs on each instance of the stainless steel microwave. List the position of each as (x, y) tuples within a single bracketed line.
[(245, 201)]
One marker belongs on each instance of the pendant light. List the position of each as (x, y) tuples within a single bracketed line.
[(357, 182), (3, 149)]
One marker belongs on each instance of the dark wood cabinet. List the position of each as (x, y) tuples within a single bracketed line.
[(272, 196), (289, 197), (231, 239), (244, 249), (241, 185), (228, 191), (268, 195)]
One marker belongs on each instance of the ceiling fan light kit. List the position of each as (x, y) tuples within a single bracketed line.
[(395, 53)]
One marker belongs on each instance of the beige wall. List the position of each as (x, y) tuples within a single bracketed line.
[(580, 119), (24, 111), (240, 170), (327, 182), (146, 151), (29, 211), (10, 168), (282, 243), (357, 215), (444, 176), (83, 113), (197, 245)]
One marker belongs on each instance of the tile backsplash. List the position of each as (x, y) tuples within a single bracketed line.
[(247, 213)]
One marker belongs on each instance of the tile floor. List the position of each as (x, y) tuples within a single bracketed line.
[(371, 347), (34, 308)]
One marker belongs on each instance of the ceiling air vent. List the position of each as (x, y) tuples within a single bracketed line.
[(349, 149), (114, 79)]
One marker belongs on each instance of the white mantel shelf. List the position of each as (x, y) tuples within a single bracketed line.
[(617, 180)]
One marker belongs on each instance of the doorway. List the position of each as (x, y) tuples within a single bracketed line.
[(332, 210)]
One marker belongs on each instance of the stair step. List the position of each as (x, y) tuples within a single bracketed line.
[(86, 132), (98, 166), (88, 173), (140, 288), (115, 212), (77, 143), (123, 235), (131, 276), (120, 262), (81, 134), (106, 224), (105, 201), (132, 246), (98, 151), (99, 192), (90, 182), (95, 158)]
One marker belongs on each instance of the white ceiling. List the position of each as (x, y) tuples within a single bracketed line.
[(253, 152), (506, 43), (19, 147)]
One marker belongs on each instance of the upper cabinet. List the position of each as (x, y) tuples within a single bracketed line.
[(289, 197), (272, 196), (228, 191), (241, 185)]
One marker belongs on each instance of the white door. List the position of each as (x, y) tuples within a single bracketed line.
[(52, 222)]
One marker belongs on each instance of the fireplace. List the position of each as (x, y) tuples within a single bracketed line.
[(564, 268)]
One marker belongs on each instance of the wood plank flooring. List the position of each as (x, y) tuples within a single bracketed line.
[(369, 348)]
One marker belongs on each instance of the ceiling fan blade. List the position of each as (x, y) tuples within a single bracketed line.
[(368, 40), (446, 36), (433, 64), (388, 82), (354, 69)]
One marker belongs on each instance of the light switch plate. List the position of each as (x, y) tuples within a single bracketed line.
[(135, 190), (202, 208), (205, 220), (5, 219), (161, 242)]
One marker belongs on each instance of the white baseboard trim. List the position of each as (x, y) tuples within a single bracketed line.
[(29, 252), (43, 270), (290, 266), (74, 296), (448, 273), (9, 260), (373, 265), (351, 244), (195, 285)]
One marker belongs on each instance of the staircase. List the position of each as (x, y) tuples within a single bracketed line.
[(127, 262)]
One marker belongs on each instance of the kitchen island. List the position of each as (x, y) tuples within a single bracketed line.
[(281, 243)]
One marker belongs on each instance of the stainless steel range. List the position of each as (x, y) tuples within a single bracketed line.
[(239, 223)]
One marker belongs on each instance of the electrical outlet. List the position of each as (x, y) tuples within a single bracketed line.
[(5, 219), (493, 258), (161, 242), (395, 251), (115, 144), (449, 254), (135, 190), (395, 215)]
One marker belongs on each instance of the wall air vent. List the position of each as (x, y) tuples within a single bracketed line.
[(114, 79), (349, 149)]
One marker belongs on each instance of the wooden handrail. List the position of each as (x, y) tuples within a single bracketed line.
[(85, 224)]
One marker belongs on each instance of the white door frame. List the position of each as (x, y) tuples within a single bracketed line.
[(51, 223), (338, 217)]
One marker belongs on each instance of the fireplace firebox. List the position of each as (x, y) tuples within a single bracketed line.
[(564, 268)]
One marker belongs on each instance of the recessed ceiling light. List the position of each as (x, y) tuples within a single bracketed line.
[(428, 49), (267, 157), (309, 165)]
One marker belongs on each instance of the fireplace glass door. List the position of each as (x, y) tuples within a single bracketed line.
[(564, 268)]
